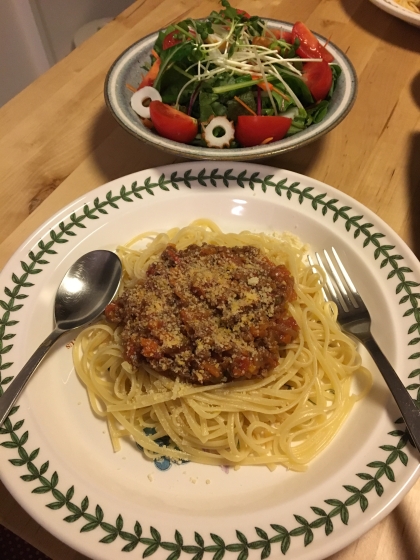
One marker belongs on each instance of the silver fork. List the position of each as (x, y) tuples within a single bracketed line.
[(354, 318)]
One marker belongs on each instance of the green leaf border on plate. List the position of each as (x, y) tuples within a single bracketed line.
[(269, 540)]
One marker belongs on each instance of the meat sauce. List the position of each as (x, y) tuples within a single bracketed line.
[(208, 314)]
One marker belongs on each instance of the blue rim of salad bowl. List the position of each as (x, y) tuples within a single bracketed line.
[(128, 69)]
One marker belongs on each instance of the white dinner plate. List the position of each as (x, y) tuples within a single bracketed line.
[(56, 457), (398, 11)]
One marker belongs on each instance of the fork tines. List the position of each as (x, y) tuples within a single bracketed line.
[(339, 286)]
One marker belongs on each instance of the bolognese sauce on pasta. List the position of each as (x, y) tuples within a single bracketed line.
[(207, 314), (224, 343)]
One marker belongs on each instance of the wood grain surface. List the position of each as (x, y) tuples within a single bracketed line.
[(58, 141)]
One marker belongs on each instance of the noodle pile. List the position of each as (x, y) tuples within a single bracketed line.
[(285, 418), (413, 5)]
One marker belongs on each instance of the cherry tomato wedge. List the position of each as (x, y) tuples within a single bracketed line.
[(172, 124), (318, 77), (237, 10), (309, 46), (171, 39), (253, 131), (243, 13), (281, 34), (150, 77), (266, 41)]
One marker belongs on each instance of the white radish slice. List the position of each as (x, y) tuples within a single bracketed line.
[(224, 141), (148, 93)]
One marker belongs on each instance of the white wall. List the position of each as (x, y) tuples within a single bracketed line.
[(35, 34), (22, 56), (58, 20)]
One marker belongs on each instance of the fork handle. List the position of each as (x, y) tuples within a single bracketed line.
[(409, 411)]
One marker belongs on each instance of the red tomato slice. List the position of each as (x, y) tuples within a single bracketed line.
[(239, 12), (150, 77), (170, 40), (253, 131), (309, 47), (318, 77), (171, 123), (266, 41), (243, 13), (281, 34)]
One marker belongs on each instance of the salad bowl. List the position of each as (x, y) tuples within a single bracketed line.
[(127, 72)]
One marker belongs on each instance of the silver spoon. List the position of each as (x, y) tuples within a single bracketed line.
[(87, 288)]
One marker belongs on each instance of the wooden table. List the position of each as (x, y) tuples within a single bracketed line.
[(58, 141)]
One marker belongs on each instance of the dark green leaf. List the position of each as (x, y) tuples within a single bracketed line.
[(17, 462), (344, 514), (54, 480), (389, 473), (318, 522), (363, 502), (108, 527), (298, 531), (175, 555), (9, 445), (55, 505), (130, 546), (109, 538), (280, 529), (309, 537), (285, 544), (99, 513), (72, 518), (199, 539), (89, 527), (41, 490), (329, 527), (218, 540)]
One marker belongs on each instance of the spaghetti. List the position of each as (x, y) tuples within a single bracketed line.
[(285, 417), (412, 5)]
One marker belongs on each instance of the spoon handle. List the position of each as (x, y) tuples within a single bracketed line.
[(9, 397)]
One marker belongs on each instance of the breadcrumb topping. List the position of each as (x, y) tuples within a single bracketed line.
[(207, 314)]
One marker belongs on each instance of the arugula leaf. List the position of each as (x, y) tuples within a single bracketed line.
[(299, 123), (231, 85), (235, 109), (255, 26), (205, 100), (336, 73), (299, 87), (229, 12), (202, 28), (158, 46), (318, 112), (210, 106), (282, 103), (171, 84), (170, 56)]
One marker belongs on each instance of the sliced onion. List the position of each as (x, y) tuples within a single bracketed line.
[(148, 93), (224, 141), (291, 113)]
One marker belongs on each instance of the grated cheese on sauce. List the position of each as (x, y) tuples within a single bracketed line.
[(207, 314)]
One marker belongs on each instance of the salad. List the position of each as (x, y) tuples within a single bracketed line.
[(231, 81)]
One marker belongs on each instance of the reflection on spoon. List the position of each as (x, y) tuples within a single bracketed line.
[(85, 291)]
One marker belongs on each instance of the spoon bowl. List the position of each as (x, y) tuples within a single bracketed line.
[(86, 289)]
